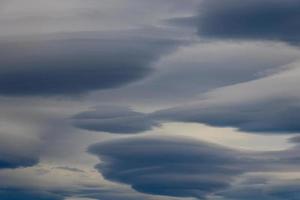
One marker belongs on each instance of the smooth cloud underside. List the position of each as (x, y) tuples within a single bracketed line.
[(120, 194), (172, 167), (268, 112), (17, 194), (247, 20), (257, 191), (184, 168), (114, 120), (17, 152), (275, 117), (266, 105), (239, 69), (73, 66), (12, 161)]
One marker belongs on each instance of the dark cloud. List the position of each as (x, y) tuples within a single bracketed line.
[(185, 168), (120, 194), (17, 194), (250, 19), (274, 116), (295, 140), (114, 120), (263, 191), (17, 151), (13, 161), (72, 66), (266, 105), (172, 167), (202, 67)]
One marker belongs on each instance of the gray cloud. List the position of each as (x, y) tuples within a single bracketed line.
[(184, 168), (262, 99), (19, 194), (13, 161), (72, 66), (250, 19), (44, 16), (172, 167), (114, 120), (19, 141), (120, 194), (202, 67), (264, 105), (265, 117), (263, 189)]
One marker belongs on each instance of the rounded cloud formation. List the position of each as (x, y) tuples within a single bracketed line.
[(14, 161), (187, 168), (17, 194), (234, 64), (73, 66), (170, 166), (266, 105), (114, 120), (250, 19), (274, 20)]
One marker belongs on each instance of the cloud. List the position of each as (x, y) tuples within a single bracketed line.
[(250, 19), (263, 188), (264, 105), (170, 166), (181, 167), (73, 66), (44, 16), (114, 120), (263, 96), (18, 141), (18, 194), (201, 67), (71, 169), (262, 117), (15, 161), (120, 194), (273, 20)]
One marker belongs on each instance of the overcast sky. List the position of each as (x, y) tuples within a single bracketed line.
[(149, 99)]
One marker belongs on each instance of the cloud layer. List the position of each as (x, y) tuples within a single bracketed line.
[(264, 105), (170, 166), (250, 19), (197, 80), (16, 194), (186, 168), (73, 66), (114, 120)]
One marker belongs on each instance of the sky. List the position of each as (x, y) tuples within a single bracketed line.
[(149, 99)]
